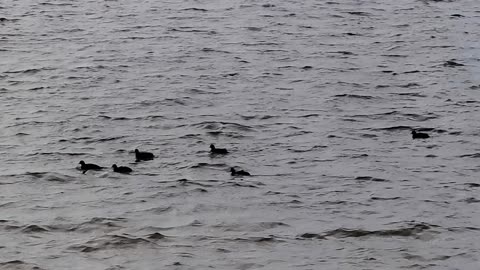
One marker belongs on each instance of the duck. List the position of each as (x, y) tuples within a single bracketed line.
[(139, 156), (121, 169), (215, 150), (419, 135), (238, 173), (89, 166)]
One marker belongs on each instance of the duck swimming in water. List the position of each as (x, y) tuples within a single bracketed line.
[(139, 156), (234, 172), (215, 150), (418, 135), (89, 166), (121, 169)]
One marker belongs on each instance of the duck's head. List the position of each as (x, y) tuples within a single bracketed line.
[(114, 166), (232, 170), (136, 151), (212, 146), (81, 162)]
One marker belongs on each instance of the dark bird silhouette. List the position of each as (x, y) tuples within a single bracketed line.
[(139, 156), (214, 150), (418, 135), (237, 173), (121, 169), (88, 166)]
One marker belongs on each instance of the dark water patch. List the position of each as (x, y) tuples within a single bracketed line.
[(18, 265), (194, 223), (367, 135), (394, 128), (314, 148), (312, 236), (258, 117), (259, 239), (4, 205), (160, 209), (236, 184), (463, 229), (451, 63), (156, 236), (384, 198), (309, 115), (420, 118), (263, 43), (471, 200), (208, 165), (411, 71), (201, 190), (354, 96), (409, 85), (359, 155), (195, 9), (36, 175), (107, 139), (94, 224), (395, 55), (209, 50), (359, 13), (210, 125), (343, 52), (410, 231), (370, 178), (338, 202), (26, 71), (410, 94), (474, 155), (273, 193), (200, 31), (186, 182), (111, 242), (473, 184), (272, 224), (291, 203), (34, 229), (57, 177)]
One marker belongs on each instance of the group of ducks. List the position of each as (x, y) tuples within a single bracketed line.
[(145, 156)]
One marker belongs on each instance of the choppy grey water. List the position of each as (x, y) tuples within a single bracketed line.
[(315, 98)]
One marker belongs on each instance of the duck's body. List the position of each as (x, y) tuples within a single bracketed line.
[(89, 166), (139, 156), (238, 173), (121, 169), (215, 150), (418, 135)]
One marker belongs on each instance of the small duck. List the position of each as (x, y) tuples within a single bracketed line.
[(121, 169), (214, 150), (139, 156), (89, 166), (238, 173), (418, 135)]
